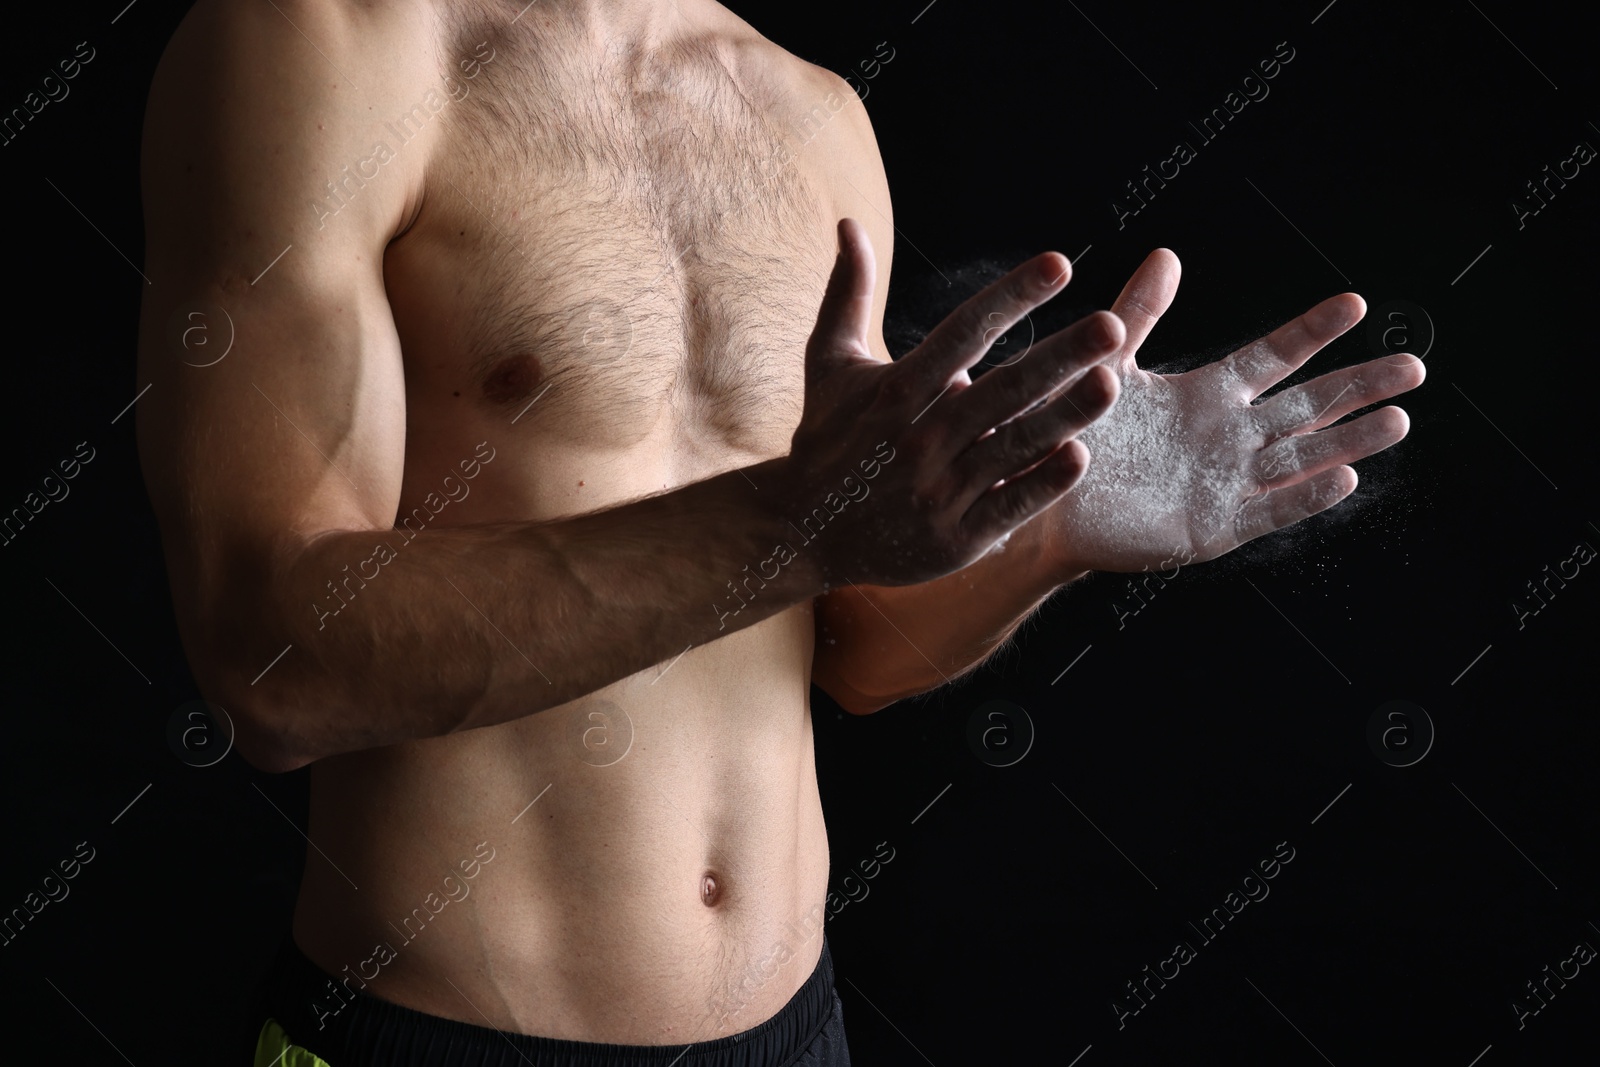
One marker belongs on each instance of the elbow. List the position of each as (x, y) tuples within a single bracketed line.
[(260, 733), (270, 749), (847, 696), (259, 660), (856, 702), (849, 702), (279, 695), (271, 760), (273, 713)]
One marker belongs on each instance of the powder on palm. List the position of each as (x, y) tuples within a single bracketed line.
[(1178, 472)]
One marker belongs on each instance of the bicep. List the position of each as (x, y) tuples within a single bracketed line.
[(275, 400)]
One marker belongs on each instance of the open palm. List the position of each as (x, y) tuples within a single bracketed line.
[(1187, 467)]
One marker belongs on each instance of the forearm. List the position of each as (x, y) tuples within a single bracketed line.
[(876, 645), (396, 635)]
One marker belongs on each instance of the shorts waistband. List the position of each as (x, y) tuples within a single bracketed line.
[(369, 1032)]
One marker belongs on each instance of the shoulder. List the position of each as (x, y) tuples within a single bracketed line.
[(348, 27), (363, 49), (816, 112), (267, 103), (823, 121), (807, 100), (828, 127)]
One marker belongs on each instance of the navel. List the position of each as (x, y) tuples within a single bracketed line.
[(513, 378), (710, 892)]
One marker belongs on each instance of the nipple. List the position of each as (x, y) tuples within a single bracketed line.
[(512, 379)]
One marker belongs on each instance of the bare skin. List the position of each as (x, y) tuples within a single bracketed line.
[(479, 515), (1191, 467), (503, 422)]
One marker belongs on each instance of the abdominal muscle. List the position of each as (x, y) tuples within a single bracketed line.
[(646, 865)]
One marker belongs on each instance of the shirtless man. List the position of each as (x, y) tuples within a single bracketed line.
[(535, 490)]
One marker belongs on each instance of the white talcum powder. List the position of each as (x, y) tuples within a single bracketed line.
[(1175, 467)]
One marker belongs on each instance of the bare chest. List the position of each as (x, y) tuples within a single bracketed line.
[(613, 250)]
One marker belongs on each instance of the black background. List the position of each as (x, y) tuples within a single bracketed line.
[(1219, 721)]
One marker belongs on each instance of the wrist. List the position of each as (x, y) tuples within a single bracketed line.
[(1034, 551), (1056, 561), (783, 491)]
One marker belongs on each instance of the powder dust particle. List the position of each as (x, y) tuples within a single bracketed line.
[(1157, 468), (1175, 462)]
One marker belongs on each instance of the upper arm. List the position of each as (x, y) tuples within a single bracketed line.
[(274, 407), (860, 190)]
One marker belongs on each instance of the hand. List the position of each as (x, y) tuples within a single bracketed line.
[(893, 473), (1187, 467)]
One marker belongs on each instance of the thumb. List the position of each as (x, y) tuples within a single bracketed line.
[(840, 335)]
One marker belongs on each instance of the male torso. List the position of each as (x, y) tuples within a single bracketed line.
[(608, 277)]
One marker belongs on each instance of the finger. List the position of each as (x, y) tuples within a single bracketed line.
[(1294, 459), (1259, 366), (1145, 299), (1015, 448), (1285, 507), (1055, 363), (1001, 510), (1325, 400), (840, 335), (966, 333)]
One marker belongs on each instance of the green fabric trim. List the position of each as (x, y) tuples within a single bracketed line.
[(274, 1050)]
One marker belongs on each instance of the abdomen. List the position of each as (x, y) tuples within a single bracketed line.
[(605, 819)]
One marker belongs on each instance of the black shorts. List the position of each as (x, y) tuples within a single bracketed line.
[(368, 1032)]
